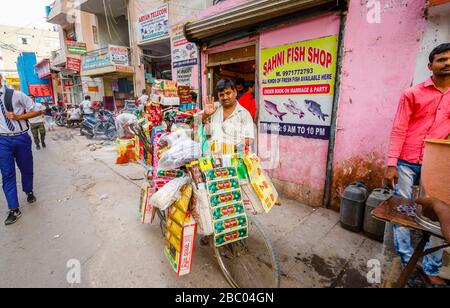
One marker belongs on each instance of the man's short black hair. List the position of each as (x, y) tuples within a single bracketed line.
[(249, 84), (438, 50), (194, 96), (240, 81), (225, 84), (87, 97)]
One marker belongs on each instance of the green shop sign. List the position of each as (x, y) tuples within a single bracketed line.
[(76, 47)]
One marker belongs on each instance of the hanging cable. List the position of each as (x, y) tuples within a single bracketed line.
[(111, 11), (107, 23), (156, 57)]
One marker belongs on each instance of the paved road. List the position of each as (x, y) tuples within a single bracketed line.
[(87, 213)]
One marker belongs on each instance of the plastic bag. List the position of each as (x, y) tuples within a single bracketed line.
[(183, 152), (174, 138), (201, 212), (169, 193)]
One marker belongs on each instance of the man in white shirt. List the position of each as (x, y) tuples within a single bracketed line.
[(123, 123), (74, 116), (37, 125), (230, 122), (86, 106), (15, 147), (143, 99)]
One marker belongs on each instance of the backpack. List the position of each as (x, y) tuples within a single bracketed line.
[(9, 106), (8, 99)]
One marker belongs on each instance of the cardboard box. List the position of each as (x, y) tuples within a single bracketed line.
[(184, 90), (146, 210), (180, 258)]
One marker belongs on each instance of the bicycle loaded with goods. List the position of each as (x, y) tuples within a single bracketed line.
[(209, 190)]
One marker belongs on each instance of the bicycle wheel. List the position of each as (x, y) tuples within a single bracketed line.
[(251, 262)]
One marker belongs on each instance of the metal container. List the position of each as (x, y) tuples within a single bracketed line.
[(352, 206), (432, 226), (374, 228), (435, 172)]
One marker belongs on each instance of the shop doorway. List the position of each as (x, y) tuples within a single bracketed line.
[(156, 57), (239, 63), (233, 64)]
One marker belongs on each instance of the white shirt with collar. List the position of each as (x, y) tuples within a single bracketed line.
[(75, 114), (38, 119), (21, 103), (87, 107), (233, 130)]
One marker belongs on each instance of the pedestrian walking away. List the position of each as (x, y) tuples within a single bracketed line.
[(37, 126)]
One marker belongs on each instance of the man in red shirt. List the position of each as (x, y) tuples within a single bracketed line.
[(423, 113), (247, 100)]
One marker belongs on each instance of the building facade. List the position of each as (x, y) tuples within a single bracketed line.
[(329, 74), (15, 40)]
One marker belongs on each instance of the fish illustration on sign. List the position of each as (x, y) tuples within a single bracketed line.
[(315, 109), (272, 109), (293, 107)]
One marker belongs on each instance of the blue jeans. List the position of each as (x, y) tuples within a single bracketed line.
[(14, 150), (409, 175)]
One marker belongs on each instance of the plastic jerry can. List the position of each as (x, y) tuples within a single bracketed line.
[(373, 227), (352, 206)]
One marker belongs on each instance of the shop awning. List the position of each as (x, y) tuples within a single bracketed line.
[(118, 70), (253, 15)]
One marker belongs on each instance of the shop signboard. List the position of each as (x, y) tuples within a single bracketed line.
[(76, 47), (40, 90), (118, 54), (124, 68), (73, 64), (96, 59), (43, 69), (154, 24), (184, 53), (298, 87), (183, 75)]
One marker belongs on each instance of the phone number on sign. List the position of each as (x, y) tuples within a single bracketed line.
[(302, 71)]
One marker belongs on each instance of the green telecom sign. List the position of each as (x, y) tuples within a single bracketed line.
[(76, 47)]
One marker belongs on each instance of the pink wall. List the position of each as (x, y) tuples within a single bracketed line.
[(302, 165), (378, 65), (219, 8)]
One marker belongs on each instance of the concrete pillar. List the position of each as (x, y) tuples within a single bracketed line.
[(136, 51)]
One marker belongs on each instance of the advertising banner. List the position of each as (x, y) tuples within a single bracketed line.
[(76, 47), (154, 24), (73, 64), (184, 53), (298, 87), (118, 54)]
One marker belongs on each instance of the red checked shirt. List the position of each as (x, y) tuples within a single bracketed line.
[(423, 113)]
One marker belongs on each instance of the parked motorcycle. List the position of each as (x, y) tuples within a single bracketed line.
[(61, 117), (100, 124)]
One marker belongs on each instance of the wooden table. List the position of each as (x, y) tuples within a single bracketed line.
[(387, 212)]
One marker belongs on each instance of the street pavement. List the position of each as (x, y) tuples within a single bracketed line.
[(86, 214)]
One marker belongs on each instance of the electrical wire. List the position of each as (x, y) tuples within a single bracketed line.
[(110, 10), (155, 57), (107, 23), (112, 26)]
